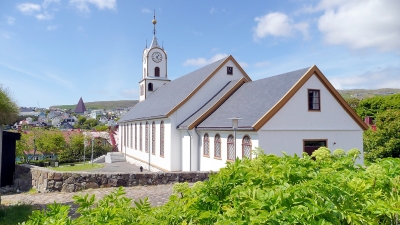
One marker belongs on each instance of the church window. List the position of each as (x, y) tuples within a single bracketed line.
[(146, 134), (246, 147), (314, 103), (206, 145), (140, 137), (157, 71), (124, 135), (135, 136), (162, 139), (229, 70), (231, 148), (153, 138), (131, 136), (217, 146), (150, 87)]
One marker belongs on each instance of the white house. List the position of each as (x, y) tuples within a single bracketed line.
[(186, 125)]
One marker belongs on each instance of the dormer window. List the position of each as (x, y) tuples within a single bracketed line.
[(157, 71), (229, 70)]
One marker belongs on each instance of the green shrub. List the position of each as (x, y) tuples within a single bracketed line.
[(265, 190)]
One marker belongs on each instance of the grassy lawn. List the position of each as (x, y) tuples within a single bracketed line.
[(15, 214), (77, 167)]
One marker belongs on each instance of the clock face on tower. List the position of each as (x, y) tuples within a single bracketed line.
[(157, 57)]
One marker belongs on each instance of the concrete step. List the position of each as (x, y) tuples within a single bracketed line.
[(115, 157)]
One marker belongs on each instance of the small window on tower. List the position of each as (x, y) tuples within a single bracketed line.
[(157, 71), (150, 87), (229, 70)]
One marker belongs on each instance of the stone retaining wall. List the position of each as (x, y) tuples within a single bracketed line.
[(46, 180)]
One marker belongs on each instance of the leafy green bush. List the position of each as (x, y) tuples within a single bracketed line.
[(265, 190)]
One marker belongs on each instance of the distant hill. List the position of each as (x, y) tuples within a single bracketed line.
[(102, 105), (364, 93)]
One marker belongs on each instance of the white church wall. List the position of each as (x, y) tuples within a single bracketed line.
[(156, 160), (175, 145), (189, 150), (291, 142), (293, 123), (208, 90), (294, 115), (212, 163)]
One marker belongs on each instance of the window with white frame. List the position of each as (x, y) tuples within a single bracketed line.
[(231, 148), (217, 146), (246, 147), (206, 145)]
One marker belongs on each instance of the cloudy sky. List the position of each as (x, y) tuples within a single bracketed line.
[(56, 51)]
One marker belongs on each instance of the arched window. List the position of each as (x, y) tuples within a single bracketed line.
[(162, 139), (140, 137), (157, 71), (135, 136), (153, 138), (206, 145), (146, 134), (217, 146), (231, 148), (150, 87), (246, 147)]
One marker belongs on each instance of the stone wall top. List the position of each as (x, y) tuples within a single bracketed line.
[(47, 180)]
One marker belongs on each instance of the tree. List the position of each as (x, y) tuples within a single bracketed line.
[(385, 141), (353, 102), (81, 120), (50, 142), (8, 108), (373, 106), (90, 123)]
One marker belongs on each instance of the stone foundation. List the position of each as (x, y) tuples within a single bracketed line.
[(46, 180)]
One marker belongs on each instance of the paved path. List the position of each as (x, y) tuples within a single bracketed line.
[(158, 195)]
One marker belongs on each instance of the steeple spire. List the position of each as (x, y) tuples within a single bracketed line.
[(154, 42)]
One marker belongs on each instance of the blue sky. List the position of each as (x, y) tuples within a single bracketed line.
[(55, 51)]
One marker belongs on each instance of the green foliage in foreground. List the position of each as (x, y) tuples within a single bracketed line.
[(14, 214), (266, 190)]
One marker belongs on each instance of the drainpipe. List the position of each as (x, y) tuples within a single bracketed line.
[(198, 149), (190, 153), (148, 144)]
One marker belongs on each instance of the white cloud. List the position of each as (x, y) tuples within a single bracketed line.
[(44, 16), (361, 24), (243, 64), (204, 61), (28, 8), (279, 25), (262, 64), (46, 3), (146, 11), (52, 27), (10, 20), (83, 5), (380, 78), (5, 35), (130, 93), (213, 10)]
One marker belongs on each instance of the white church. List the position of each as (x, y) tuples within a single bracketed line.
[(211, 116)]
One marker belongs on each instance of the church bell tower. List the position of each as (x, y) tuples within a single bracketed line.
[(154, 73)]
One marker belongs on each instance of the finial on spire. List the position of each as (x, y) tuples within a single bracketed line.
[(154, 22)]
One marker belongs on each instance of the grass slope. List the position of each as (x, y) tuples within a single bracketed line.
[(102, 105)]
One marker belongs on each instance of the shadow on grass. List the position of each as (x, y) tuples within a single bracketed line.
[(15, 214)]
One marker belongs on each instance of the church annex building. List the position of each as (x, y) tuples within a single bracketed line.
[(213, 115)]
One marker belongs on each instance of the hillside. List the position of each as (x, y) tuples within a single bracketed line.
[(102, 105), (365, 93)]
